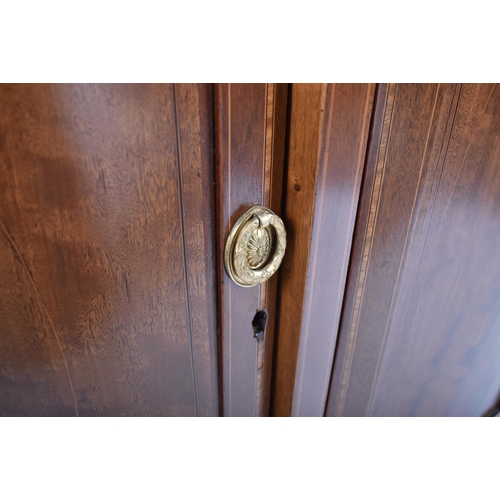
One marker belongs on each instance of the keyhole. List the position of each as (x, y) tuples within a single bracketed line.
[(259, 325)]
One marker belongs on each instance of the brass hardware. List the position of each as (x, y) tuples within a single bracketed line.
[(255, 247)]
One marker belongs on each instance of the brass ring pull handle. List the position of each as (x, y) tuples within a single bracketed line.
[(255, 247)]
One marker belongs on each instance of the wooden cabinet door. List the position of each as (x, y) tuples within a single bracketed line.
[(405, 322), (420, 332), (115, 204)]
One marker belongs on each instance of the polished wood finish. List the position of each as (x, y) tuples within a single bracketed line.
[(107, 296), (419, 330), (250, 140), (329, 127)]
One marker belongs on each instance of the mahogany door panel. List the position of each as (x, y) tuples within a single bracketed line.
[(107, 293), (117, 201), (419, 334)]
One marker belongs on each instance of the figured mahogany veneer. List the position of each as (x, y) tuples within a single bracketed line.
[(107, 296)]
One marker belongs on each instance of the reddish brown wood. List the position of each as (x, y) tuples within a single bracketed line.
[(328, 135), (107, 291), (419, 333), (250, 127), (195, 136)]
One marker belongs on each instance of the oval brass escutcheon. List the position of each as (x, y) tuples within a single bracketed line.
[(255, 247)]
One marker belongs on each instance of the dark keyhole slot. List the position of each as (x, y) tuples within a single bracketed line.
[(259, 325)]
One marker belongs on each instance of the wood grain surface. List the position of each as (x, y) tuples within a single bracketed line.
[(419, 330), (250, 139), (107, 297), (329, 126)]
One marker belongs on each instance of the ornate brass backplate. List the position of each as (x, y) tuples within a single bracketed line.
[(255, 247)]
